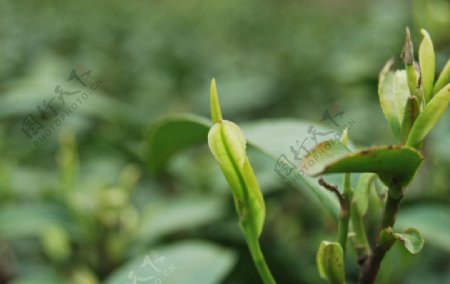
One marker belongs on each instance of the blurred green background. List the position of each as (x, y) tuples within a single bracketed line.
[(84, 207)]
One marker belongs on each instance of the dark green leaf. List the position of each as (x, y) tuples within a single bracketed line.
[(172, 134), (331, 157)]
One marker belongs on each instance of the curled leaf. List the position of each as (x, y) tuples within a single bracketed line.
[(228, 145), (411, 239), (330, 262)]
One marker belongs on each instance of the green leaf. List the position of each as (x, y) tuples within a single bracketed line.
[(361, 193), (427, 65), (29, 221), (411, 74), (411, 239), (331, 157), (443, 79), (172, 134), (433, 220), (429, 117), (188, 262), (275, 138), (401, 92), (387, 99), (330, 262), (163, 217)]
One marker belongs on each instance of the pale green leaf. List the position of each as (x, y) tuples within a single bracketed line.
[(443, 79), (401, 92), (188, 262), (330, 262), (387, 98), (427, 65), (411, 239), (429, 117)]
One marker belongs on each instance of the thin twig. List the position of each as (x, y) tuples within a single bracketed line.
[(333, 188)]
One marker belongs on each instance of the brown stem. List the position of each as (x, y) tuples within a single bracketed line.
[(372, 265)]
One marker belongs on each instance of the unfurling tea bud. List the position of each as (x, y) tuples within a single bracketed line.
[(330, 262), (228, 145)]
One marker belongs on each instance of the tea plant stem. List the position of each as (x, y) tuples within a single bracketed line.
[(372, 265), (344, 217), (362, 246), (259, 260)]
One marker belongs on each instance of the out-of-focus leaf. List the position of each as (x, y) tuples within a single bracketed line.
[(432, 220), (277, 139), (165, 217), (387, 98), (172, 134), (188, 262), (361, 193), (427, 64), (28, 221), (401, 92), (330, 262), (382, 160), (429, 117), (411, 239), (443, 79)]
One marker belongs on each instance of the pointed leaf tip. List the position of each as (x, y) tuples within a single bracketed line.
[(427, 64), (408, 53), (216, 113)]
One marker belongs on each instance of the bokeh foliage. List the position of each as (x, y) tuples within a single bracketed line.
[(88, 203)]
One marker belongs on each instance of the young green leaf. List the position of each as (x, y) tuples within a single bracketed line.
[(329, 157), (443, 79), (330, 262), (228, 145), (401, 93), (427, 65), (429, 117), (411, 239), (387, 98)]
